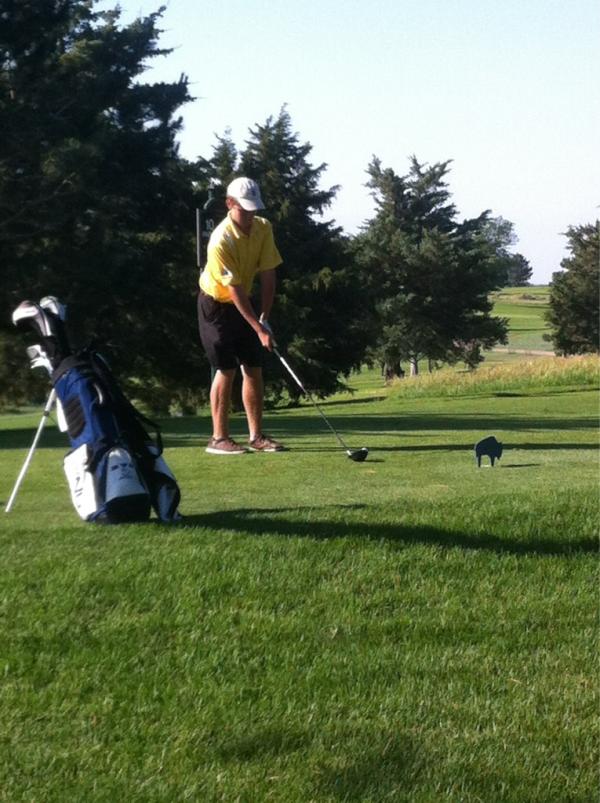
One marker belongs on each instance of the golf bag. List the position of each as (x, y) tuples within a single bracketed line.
[(115, 469)]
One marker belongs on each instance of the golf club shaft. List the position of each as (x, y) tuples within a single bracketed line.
[(309, 396), (29, 457)]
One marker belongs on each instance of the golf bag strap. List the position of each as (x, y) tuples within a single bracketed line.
[(93, 364), (74, 361), (102, 369)]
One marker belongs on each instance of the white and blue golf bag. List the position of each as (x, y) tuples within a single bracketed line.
[(115, 469)]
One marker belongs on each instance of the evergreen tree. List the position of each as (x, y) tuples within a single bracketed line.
[(575, 292), (213, 176), (224, 160), (95, 202), (501, 235), (518, 271), (428, 276)]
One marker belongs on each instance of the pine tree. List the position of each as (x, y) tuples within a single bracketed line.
[(575, 293), (428, 275), (501, 236), (518, 271), (224, 160), (95, 202)]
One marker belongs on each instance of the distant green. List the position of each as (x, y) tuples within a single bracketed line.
[(524, 307)]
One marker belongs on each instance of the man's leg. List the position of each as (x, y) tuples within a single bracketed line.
[(252, 398), (220, 401)]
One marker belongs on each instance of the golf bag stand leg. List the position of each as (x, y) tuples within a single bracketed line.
[(21, 477)]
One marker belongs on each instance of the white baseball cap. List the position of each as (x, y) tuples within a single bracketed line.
[(247, 193)]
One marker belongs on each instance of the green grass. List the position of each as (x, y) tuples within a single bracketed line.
[(525, 308), (408, 629)]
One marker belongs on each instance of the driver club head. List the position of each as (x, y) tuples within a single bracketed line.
[(358, 455)]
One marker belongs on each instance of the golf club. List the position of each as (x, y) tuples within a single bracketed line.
[(358, 455), (38, 358)]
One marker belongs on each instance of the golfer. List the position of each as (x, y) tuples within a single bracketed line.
[(232, 334)]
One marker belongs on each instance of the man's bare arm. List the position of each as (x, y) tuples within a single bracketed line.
[(241, 300)]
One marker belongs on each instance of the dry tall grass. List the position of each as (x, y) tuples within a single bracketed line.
[(536, 375)]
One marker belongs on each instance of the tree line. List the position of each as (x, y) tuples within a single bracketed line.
[(97, 207)]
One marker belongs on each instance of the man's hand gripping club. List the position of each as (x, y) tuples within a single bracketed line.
[(242, 302), (267, 328)]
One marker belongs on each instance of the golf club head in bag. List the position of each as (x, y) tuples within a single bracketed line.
[(38, 358), (47, 323), (52, 304)]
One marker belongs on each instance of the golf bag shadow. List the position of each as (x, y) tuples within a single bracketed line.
[(115, 469)]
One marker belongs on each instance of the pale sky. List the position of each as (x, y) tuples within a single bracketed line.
[(508, 90)]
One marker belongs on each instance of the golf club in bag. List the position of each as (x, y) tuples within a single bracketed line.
[(115, 469), (358, 455)]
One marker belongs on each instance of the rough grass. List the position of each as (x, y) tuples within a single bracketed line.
[(408, 629), (532, 375)]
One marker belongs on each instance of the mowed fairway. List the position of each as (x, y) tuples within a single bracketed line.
[(410, 628), (524, 307)]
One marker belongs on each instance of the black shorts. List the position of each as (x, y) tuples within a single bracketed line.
[(227, 337)]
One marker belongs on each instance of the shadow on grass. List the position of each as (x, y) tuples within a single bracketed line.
[(469, 447), (53, 439), (469, 421), (266, 521), (262, 742), (388, 765), (378, 772), (346, 402), (193, 431)]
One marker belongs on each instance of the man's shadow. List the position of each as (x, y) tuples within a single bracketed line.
[(257, 522)]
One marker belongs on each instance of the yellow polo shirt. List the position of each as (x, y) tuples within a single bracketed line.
[(235, 258)]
